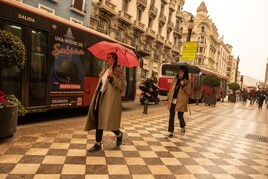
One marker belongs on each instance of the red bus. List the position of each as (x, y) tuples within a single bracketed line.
[(59, 72), (169, 71)]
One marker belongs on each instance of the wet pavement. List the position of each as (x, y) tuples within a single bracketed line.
[(225, 141)]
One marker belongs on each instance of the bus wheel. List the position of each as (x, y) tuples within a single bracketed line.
[(157, 101)]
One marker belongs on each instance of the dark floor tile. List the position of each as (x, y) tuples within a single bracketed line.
[(62, 140), (50, 169), (164, 177), (195, 154), (146, 135), (249, 162), (178, 169), (218, 161), (6, 167), (75, 160), (32, 159), (131, 154), (96, 169), (80, 136), (20, 176), (139, 169), (60, 152), (153, 161), (77, 146), (164, 154), (143, 148), (154, 143), (28, 139), (120, 176), (17, 150), (173, 148), (41, 145), (97, 154), (187, 161), (248, 170), (241, 176), (224, 155), (49, 134), (201, 149), (115, 161), (72, 177), (204, 176)]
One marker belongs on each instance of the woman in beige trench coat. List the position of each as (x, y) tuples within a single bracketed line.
[(177, 99), (105, 108)]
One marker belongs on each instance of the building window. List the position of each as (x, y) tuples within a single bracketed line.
[(201, 49), (136, 41), (150, 23), (120, 34), (144, 73), (76, 21), (160, 29), (103, 26), (78, 6), (202, 28), (46, 9), (201, 40), (168, 35), (139, 14), (200, 61), (125, 5)]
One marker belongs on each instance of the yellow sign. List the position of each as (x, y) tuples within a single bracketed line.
[(189, 51)]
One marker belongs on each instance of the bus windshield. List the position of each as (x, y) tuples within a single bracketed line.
[(169, 70)]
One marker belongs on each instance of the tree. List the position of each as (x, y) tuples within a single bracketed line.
[(234, 86), (212, 81)]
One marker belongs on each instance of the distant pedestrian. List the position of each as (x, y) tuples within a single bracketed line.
[(105, 108), (177, 99), (261, 100)]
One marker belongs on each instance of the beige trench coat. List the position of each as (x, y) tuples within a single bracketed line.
[(182, 98), (110, 106)]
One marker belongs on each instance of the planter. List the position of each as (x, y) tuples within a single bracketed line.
[(8, 121), (232, 98), (210, 100)]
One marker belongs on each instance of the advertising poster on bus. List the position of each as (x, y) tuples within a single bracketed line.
[(67, 73)]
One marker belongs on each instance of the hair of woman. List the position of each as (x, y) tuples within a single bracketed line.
[(115, 57), (186, 73)]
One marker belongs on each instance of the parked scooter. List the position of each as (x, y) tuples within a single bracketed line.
[(149, 91)]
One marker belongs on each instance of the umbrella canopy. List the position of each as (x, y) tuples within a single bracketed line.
[(191, 68), (126, 56)]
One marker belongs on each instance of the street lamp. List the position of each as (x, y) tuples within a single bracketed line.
[(237, 62), (190, 26)]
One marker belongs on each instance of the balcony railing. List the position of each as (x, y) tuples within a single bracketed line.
[(139, 25), (125, 17), (108, 6), (162, 18), (179, 14), (172, 5), (150, 32), (153, 11), (142, 3)]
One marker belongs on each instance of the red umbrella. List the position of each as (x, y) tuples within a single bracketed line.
[(126, 56)]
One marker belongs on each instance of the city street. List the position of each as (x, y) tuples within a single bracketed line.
[(229, 140)]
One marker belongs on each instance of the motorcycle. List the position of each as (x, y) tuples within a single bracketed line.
[(149, 92)]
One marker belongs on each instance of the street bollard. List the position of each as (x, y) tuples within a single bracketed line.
[(145, 109), (196, 102)]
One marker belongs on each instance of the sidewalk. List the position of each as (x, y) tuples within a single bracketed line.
[(214, 146)]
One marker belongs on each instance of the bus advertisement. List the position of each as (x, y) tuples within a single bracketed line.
[(168, 71), (59, 72)]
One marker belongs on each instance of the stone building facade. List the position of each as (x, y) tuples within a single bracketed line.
[(151, 26)]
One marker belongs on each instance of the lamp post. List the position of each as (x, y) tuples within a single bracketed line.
[(237, 62), (190, 26)]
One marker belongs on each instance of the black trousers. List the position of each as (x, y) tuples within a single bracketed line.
[(99, 132), (172, 116)]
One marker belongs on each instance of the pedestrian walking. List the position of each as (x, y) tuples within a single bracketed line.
[(177, 99), (105, 108)]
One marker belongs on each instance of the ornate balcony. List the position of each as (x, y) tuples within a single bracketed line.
[(170, 25), (162, 19), (160, 39), (108, 7), (150, 32), (153, 11), (168, 44), (172, 5), (165, 1), (139, 26), (125, 17), (179, 15), (142, 3)]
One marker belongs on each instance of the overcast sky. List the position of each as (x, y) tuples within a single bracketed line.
[(244, 25)]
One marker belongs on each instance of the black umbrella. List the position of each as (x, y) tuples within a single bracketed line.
[(191, 68)]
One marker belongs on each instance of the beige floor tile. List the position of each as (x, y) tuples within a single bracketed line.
[(128, 148), (193, 144), (148, 154), (223, 176), (118, 169), (46, 176), (10, 158), (261, 169), (37, 151), (237, 155), (235, 162), (140, 143), (262, 162), (74, 169), (258, 176), (159, 169), (76, 152), (59, 146), (209, 155), (25, 169), (96, 161), (54, 160), (214, 150), (3, 176), (180, 155), (187, 149), (151, 139), (231, 169), (168, 144), (196, 169), (185, 176), (133, 134), (203, 161), (97, 177), (45, 139), (78, 141), (113, 153), (134, 161), (143, 177), (170, 161)]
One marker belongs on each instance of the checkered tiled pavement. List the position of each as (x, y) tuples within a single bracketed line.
[(214, 146)]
